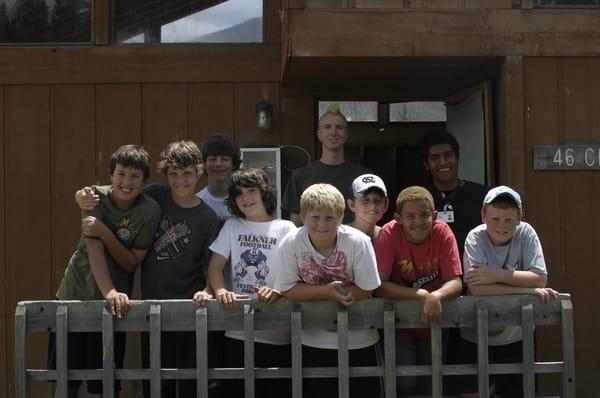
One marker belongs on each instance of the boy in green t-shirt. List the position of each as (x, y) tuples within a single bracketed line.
[(115, 239)]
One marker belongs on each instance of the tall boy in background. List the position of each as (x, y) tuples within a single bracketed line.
[(116, 237), (332, 168), (221, 158), (417, 259), (502, 256)]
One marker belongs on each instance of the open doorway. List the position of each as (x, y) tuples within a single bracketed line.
[(385, 136)]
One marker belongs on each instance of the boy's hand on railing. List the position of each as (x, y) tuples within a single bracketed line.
[(338, 292), (117, 303), (546, 294), (86, 199), (227, 299), (431, 307), (267, 294), (201, 297)]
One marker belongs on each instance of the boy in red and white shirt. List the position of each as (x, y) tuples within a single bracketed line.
[(418, 259)]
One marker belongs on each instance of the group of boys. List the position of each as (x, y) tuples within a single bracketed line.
[(177, 237)]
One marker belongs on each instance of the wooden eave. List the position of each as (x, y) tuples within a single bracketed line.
[(336, 46)]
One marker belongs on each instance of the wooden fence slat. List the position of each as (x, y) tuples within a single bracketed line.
[(20, 351), (296, 341), (62, 385), (201, 353), (482, 350), (249, 350), (568, 348), (155, 362), (528, 350), (389, 344), (436, 361), (343, 354), (108, 361)]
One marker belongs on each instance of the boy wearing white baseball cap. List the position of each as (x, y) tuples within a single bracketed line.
[(369, 203), (502, 256)]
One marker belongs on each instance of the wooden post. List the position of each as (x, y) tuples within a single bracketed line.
[(436, 361), (568, 348), (62, 384), (201, 353), (482, 350), (155, 363), (249, 350), (20, 351), (296, 341), (528, 350), (343, 354), (108, 362), (389, 345)]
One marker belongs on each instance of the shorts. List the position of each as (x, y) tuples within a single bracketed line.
[(85, 352)]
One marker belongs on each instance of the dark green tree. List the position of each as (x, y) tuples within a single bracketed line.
[(30, 21), (6, 31), (70, 21)]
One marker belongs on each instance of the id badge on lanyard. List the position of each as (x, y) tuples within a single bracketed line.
[(447, 214)]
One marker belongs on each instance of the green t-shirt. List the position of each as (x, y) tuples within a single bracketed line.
[(134, 227)]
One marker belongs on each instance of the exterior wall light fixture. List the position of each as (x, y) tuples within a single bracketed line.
[(264, 115)]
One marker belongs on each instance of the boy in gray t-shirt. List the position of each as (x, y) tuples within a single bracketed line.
[(502, 256)]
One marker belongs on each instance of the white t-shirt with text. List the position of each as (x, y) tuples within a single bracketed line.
[(251, 248)]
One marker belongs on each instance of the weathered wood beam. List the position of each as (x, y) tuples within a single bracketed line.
[(127, 64), (457, 32)]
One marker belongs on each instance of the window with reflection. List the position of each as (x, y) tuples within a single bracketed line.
[(355, 111), (45, 21), (189, 21), (418, 112)]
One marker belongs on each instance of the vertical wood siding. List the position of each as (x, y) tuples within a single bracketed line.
[(56, 138), (562, 104)]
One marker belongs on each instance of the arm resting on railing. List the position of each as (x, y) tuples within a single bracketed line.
[(497, 289), (118, 303)]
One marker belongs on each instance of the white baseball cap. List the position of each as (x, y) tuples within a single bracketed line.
[(500, 191), (363, 183)]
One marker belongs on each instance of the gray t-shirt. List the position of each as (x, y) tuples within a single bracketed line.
[(340, 176), (175, 268), (522, 253)]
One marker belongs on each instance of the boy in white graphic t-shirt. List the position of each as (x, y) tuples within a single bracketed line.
[(324, 260), (250, 240)]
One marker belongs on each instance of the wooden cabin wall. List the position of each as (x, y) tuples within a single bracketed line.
[(561, 106), (64, 110), (58, 137)]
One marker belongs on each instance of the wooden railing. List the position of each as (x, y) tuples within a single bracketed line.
[(182, 315)]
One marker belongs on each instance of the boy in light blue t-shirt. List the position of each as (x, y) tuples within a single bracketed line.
[(502, 256)]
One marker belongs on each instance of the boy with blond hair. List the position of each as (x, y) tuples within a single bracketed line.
[(332, 168), (502, 256), (324, 260), (417, 259), (369, 203)]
